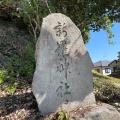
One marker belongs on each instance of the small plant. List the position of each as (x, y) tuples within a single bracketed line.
[(7, 82), (12, 88), (60, 115), (3, 76)]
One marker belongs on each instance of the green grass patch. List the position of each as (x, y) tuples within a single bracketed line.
[(100, 77)]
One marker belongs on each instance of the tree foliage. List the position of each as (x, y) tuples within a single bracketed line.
[(87, 14), (90, 14)]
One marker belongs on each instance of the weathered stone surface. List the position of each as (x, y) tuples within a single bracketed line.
[(104, 112), (63, 74)]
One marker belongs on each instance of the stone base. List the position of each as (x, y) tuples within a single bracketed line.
[(88, 100), (96, 112)]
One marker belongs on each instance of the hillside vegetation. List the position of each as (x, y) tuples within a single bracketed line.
[(107, 89), (17, 66), (100, 77)]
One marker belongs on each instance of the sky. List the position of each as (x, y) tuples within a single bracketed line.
[(99, 48)]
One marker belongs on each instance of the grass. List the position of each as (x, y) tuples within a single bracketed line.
[(107, 89), (100, 77)]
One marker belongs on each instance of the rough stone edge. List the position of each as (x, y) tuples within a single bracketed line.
[(93, 111)]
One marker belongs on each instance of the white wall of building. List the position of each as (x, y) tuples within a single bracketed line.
[(106, 70), (102, 70)]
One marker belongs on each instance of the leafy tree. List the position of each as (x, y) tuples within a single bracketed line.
[(32, 12), (90, 14), (87, 14)]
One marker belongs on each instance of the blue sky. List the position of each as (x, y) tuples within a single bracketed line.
[(99, 48)]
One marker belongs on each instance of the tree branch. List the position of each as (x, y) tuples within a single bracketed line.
[(46, 2)]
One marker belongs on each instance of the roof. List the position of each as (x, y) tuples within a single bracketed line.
[(102, 63), (113, 62)]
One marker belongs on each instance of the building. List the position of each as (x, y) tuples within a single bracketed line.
[(115, 64), (115, 67), (102, 67)]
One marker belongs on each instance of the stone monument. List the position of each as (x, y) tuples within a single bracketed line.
[(63, 74)]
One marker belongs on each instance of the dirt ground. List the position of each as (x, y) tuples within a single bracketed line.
[(19, 106)]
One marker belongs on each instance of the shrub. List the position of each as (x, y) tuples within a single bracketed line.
[(3, 76), (7, 82), (28, 62), (106, 92)]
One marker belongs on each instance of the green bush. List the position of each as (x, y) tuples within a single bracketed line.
[(18, 67), (13, 64), (106, 92), (24, 65), (28, 65), (3, 76), (7, 82)]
